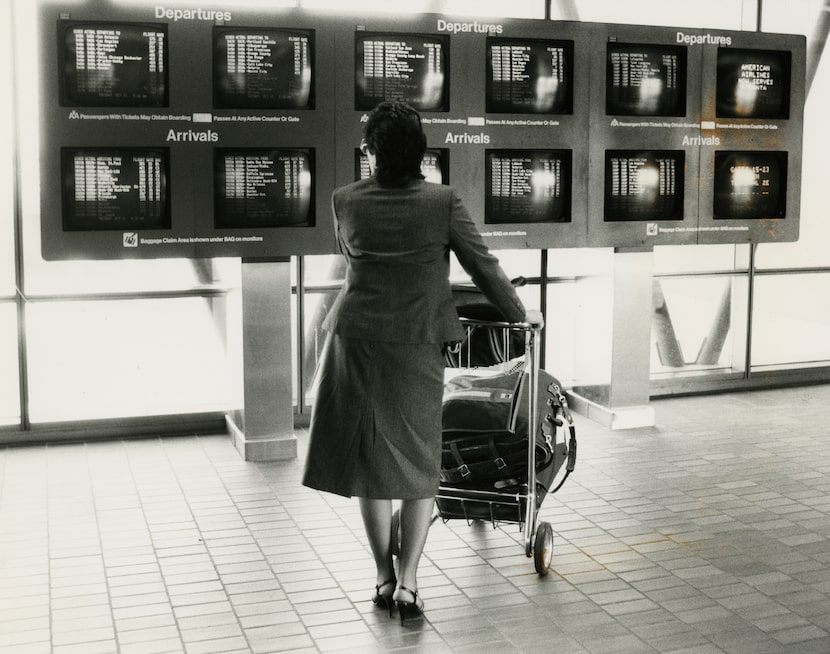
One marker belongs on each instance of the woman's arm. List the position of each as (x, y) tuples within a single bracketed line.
[(482, 266)]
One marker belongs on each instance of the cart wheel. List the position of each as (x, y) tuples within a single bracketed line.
[(396, 533), (543, 548)]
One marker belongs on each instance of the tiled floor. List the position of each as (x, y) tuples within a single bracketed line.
[(708, 533)]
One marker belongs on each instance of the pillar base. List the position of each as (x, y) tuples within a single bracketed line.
[(278, 447), (626, 417)]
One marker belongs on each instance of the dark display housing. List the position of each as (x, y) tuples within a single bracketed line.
[(115, 188), (256, 68), (753, 83), (413, 68), (644, 185), (113, 64), (750, 185), (529, 76), (434, 165), (645, 79), (527, 186), (263, 187)]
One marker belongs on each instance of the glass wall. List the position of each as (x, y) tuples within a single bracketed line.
[(9, 367), (791, 317), (703, 294), (146, 338), (791, 320), (131, 357), (102, 339)]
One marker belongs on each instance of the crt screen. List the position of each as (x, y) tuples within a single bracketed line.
[(645, 80), (264, 187), (528, 76), (114, 64), (408, 67), (644, 185), (527, 186), (264, 69), (115, 188), (750, 185), (753, 83)]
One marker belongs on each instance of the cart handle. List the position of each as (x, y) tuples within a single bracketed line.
[(523, 325)]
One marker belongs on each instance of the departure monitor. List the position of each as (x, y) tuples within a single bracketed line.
[(105, 64), (413, 68), (115, 188), (263, 68), (644, 185), (527, 186), (645, 80), (753, 83), (529, 76), (263, 187), (434, 165), (750, 185)]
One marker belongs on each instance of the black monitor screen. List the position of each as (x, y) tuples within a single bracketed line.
[(644, 185), (529, 76), (750, 185), (413, 68), (434, 165), (113, 64), (645, 80), (263, 68), (753, 83), (527, 186), (115, 188), (263, 187)]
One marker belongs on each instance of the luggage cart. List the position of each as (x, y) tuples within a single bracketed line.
[(550, 433)]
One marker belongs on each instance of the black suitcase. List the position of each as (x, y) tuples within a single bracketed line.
[(485, 443)]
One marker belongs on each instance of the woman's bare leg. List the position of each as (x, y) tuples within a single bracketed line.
[(416, 517), (377, 519)]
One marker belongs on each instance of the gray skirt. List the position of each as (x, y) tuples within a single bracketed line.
[(376, 421)]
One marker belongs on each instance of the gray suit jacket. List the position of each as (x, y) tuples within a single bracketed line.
[(396, 242)]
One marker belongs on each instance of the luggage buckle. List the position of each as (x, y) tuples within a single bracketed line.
[(500, 463), (547, 435), (464, 469)]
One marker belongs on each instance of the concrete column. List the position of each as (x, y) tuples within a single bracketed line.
[(614, 343), (264, 429)]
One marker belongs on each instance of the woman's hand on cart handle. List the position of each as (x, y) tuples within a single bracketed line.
[(535, 318)]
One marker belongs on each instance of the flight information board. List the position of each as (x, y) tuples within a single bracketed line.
[(555, 133), (753, 112)]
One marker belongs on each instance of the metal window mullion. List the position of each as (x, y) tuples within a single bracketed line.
[(17, 209), (750, 302), (300, 323), (543, 306), (108, 296)]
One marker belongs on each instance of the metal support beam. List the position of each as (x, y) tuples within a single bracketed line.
[(817, 42), (567, 9)]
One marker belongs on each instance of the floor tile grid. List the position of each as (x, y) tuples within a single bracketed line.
[(708, 492), (235, 597), (692, 537), (466, 581), (695, 571)]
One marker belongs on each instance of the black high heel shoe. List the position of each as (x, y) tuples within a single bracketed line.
[(385, 599), (410, 610)]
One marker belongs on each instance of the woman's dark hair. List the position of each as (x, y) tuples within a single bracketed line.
[(395, 136)]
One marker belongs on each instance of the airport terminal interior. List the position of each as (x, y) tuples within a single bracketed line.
[(651, 174)]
